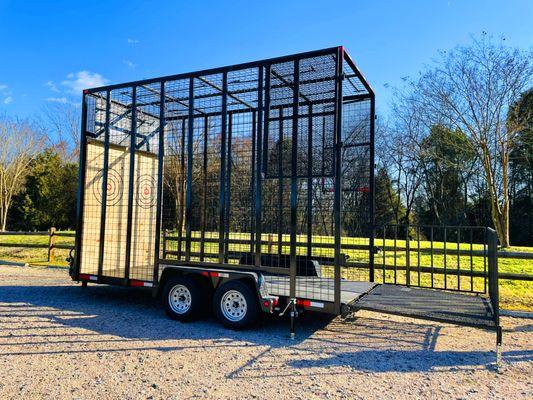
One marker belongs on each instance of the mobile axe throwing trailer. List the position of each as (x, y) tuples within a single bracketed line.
[(248, 187)]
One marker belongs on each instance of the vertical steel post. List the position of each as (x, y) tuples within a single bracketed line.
[(105, 170), (252, 182), (204, 194), (294, 176), (81, 188), (310, 181), (262, 112), (160, 171), (371, 199), (188, 205), (183, 178), (280, 182), (223, 140), (131, 184), (228, 188), (337, 200)]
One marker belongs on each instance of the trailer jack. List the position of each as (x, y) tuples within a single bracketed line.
[(293, 314)]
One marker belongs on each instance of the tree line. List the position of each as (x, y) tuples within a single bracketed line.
[(458, 147)]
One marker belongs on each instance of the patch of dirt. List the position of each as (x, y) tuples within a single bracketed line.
[(59, 340)]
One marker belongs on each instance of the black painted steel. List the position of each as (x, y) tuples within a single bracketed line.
[(294, 174), (81, 188), (262, 113), (131, 184), (371, 199), (160, 160), (337, 201), (223, 168), (258, 64), (105, 169), (188, 205)]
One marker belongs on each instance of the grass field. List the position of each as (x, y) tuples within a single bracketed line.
[(514, 294)]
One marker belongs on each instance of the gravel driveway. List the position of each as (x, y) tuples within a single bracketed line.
[(59, 340)]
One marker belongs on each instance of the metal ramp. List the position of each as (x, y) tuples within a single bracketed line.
[(435, 305)]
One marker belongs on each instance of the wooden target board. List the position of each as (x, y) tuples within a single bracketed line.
[(143, 215)]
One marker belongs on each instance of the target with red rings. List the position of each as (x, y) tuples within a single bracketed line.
[(146, 191), (115, 187)]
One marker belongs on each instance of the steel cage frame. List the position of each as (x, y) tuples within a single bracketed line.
[(261, 118)]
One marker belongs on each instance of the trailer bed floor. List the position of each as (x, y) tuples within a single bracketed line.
[(317, 288), (437, 305)]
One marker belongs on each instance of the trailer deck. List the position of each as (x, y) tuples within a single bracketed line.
[(317, 288)]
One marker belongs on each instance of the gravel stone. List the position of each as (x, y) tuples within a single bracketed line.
[(59, 340)]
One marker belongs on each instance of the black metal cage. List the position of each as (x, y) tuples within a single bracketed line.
[(264, 166)]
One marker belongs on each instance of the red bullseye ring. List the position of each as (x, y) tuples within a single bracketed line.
[(114, 187), (145, 193)]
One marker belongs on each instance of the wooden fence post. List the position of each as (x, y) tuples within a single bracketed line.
[(51, 244)]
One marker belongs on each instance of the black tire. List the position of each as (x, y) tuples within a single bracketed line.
[(238, 293), (189, 296)]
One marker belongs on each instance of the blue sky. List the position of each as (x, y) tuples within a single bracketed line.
[(51, 50)]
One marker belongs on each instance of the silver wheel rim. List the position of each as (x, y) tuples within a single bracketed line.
[(179, 299), (233, 305)]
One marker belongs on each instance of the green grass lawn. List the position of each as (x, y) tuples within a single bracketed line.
[(35, 256), (514, 294)]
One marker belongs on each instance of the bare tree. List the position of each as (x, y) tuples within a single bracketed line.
[(473, 88), (63, 122), (21, 142), (400, 147)]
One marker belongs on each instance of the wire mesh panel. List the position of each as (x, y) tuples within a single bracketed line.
[(208, 142), (242, 89), (117, 183), (145, 182), (107, 183), (96, 116), (174, 168), (356, 189)]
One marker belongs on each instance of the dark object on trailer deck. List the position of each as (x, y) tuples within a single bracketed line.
[(245, 186)]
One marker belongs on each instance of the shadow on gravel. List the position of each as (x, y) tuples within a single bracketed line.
[(131, 313), (128, 319), (413, 361)]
